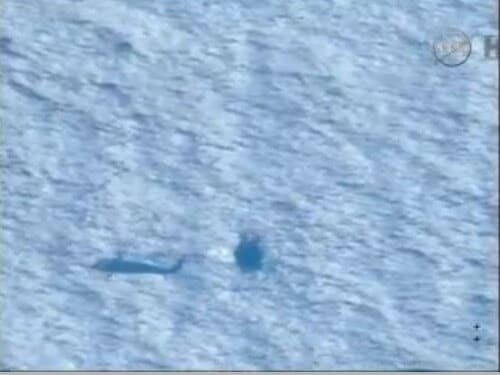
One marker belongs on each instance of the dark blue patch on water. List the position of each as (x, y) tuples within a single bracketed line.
[(249, 253)]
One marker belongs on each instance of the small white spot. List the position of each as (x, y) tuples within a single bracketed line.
[(221, 253)]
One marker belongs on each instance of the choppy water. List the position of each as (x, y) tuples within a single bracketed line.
[(364, 169)]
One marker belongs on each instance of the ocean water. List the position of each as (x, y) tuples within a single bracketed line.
[(329, 186)]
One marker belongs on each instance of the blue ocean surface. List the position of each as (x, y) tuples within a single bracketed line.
[(245, 185)]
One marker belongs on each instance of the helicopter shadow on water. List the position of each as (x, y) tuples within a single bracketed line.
[(120, 265)]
